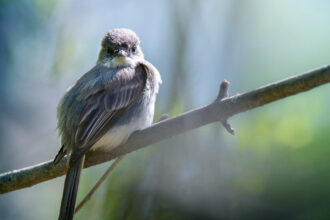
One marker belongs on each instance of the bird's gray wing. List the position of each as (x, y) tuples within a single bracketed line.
[(107, 105)]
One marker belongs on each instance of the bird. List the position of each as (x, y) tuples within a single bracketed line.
[(105, 106)]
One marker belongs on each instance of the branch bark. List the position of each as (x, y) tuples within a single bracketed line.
[(219, 110)]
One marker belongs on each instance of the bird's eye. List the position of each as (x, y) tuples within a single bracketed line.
[(110, 51), (133, 49)]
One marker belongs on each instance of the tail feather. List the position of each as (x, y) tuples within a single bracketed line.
[(70, 191)]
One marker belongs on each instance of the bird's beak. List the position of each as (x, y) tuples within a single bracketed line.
[(122, 53)]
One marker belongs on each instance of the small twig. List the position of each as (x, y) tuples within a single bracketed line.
[(223, 93), (228, 127), (97, 185), (107, 172)]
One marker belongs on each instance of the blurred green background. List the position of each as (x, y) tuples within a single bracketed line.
[(275, 167)]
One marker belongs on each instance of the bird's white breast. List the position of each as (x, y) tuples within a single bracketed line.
[(138, 120)]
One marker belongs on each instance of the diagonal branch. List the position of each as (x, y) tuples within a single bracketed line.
[(216, 111), (104, 176)]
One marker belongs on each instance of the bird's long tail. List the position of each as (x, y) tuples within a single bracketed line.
[(70, 190)]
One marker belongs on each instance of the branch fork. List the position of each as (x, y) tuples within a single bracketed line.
[(223, 93)]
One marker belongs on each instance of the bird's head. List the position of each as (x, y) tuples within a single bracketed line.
[(120, 47)]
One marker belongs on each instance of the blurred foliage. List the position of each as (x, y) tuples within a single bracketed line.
[(276, 167)]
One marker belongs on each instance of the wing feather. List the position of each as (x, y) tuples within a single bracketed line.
[(106, 106)]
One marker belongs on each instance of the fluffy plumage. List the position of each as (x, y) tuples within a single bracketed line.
[(104, 106)]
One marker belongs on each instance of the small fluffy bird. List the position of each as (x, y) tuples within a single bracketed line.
[(105, 106)]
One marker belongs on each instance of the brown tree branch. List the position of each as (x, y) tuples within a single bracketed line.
[(216, 111)]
